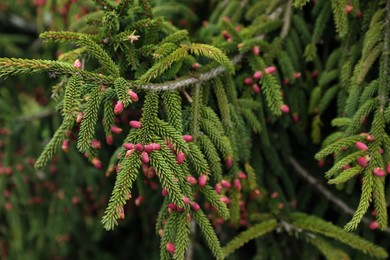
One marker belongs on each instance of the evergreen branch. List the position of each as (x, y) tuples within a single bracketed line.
[(101, 55), (63, 36), (121, 88), (168, 132), (172, 104), (300, 3), (212, 196), (346, 175), (182, 235), (87, 127), (340, 16), (186, 81), (253, 232), (212, 53), (14, 66), (318, 225), (165, 173), (169, 232), (222, 103), (211, 155), (384, 71), (195, 109), (71, 102), (343, 162), (337, 146), (122, 190), (327, 249), (197, 159), (55, 142), (164, 64), (380, 202), (326, 193), (208, 233)]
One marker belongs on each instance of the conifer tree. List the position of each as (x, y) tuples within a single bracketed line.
[(201, 120)]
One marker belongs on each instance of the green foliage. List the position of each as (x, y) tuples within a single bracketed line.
[(202, 132)]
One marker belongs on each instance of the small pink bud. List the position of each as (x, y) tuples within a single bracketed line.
[(248, 81), (373, 225), (370, 138), (218, 188), (297, 75), (314, 74), (129, 152), (195, 206), (187, 138), (321, 163), (295, 117), (128, 146), (97, 163), (256, 88), (346, 167), (195, 66), (379, 172), (96, 144), (148, 148), (256, 50), (180, 157), (77, 64), (241, 175), (229, 162), (226, 184), (237, 184), (186, 200), (145, 157), (133, 95), (172, 206), (118, 107), (374, 213), (138, 201), (388, 168), (226, 35), (284, 108), (361, 146), (164, 192), (139, 147), (65, 145), (362, 161), (156, 146), (225, 200), (116, 129), (202, 180), (348, 9), (274, 195), (180, 209), (79, 117), (380, 151), (270, 70), (192, 180), (170, 247), (258, 74), (135, 124), (286, 81)]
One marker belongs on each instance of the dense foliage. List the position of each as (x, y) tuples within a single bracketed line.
[(191, 129)]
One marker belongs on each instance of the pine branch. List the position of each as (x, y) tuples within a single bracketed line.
[(317, 225), (253, 232), (326, 193)]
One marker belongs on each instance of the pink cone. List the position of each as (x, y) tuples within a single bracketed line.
[(187, 138), (133, 95), (258, 74), (202, 180), (270, 70), (128, 146), (192, 180), (170, 247), (118, 107), (379, 172), (361, 146), (145, 157), (135, 124), (284, 108), (180, 157)]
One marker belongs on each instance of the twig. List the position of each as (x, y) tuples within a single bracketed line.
[(327, 194), (188, 97), (286, 19)]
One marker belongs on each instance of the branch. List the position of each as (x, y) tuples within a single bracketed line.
[(286, 20), (327, 194), (187, 81)]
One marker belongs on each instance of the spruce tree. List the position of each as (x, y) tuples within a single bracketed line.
[(190, 129)]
